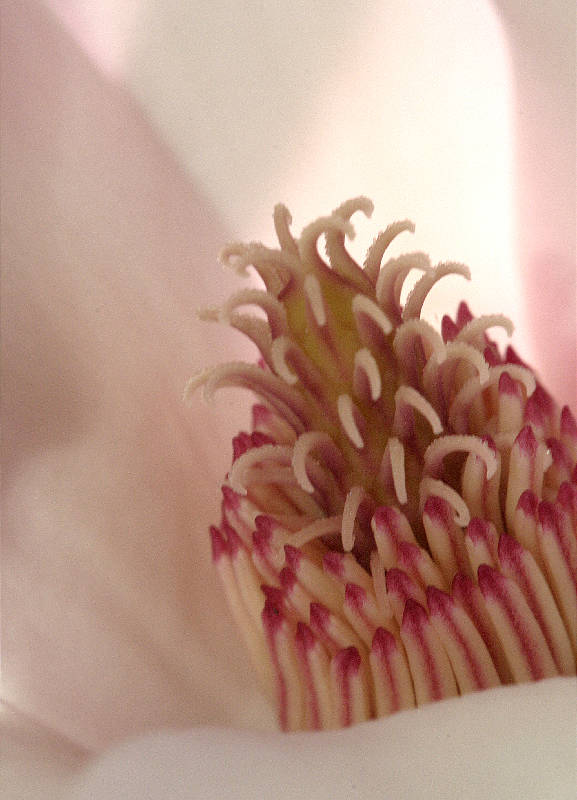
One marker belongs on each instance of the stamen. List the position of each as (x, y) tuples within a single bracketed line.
[(361, 611), (350, 690), (315, 666), (470, 659), (467, 594), (526, 470), (445, 538), (482, 495), (312, 577), (380, 586), (344, 568), (390, 527), (562, 578), (251, 634), (400, 588), (297, 598), (333, 631), (392, 681), (419, 565), (527, 651), (481, 542), (314, 295), (366, 365), (417, 297), (267, 552), (346, 411), (520, 565), (377, 250), (289, 690), (524, 522), (430, 667)]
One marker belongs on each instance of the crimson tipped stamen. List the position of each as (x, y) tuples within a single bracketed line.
[(400, 524)]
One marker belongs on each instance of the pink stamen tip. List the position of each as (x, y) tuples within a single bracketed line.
[(272, 617), (409, 554), (219, 543), (491, 355), (355, 596), (234, 540), (240, 444), (491, 582), (558, 453), (304, 637), (567, 497), (260, 415), (539, 406), (414, 616), (464, 314), (511, 357), (273, 596), (261, 542), (490, 442), (439, 602), (258, 439), (528, 502), (384, 643), (438, 510), (479, 530), (293, 557), (230, 498), (510, 550), (287, 578), (526, 441), (508, 386), (547, 515), (265, 524), (319, 616), (568, 423), (399, 583), (448, 329), (333, 563), (462, 588), (347, 662), (385, 519)]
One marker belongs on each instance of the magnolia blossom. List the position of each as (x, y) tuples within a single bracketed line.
[(400, 525), (114, 625)]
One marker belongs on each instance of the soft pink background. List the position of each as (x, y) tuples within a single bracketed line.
[(127, 161)]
